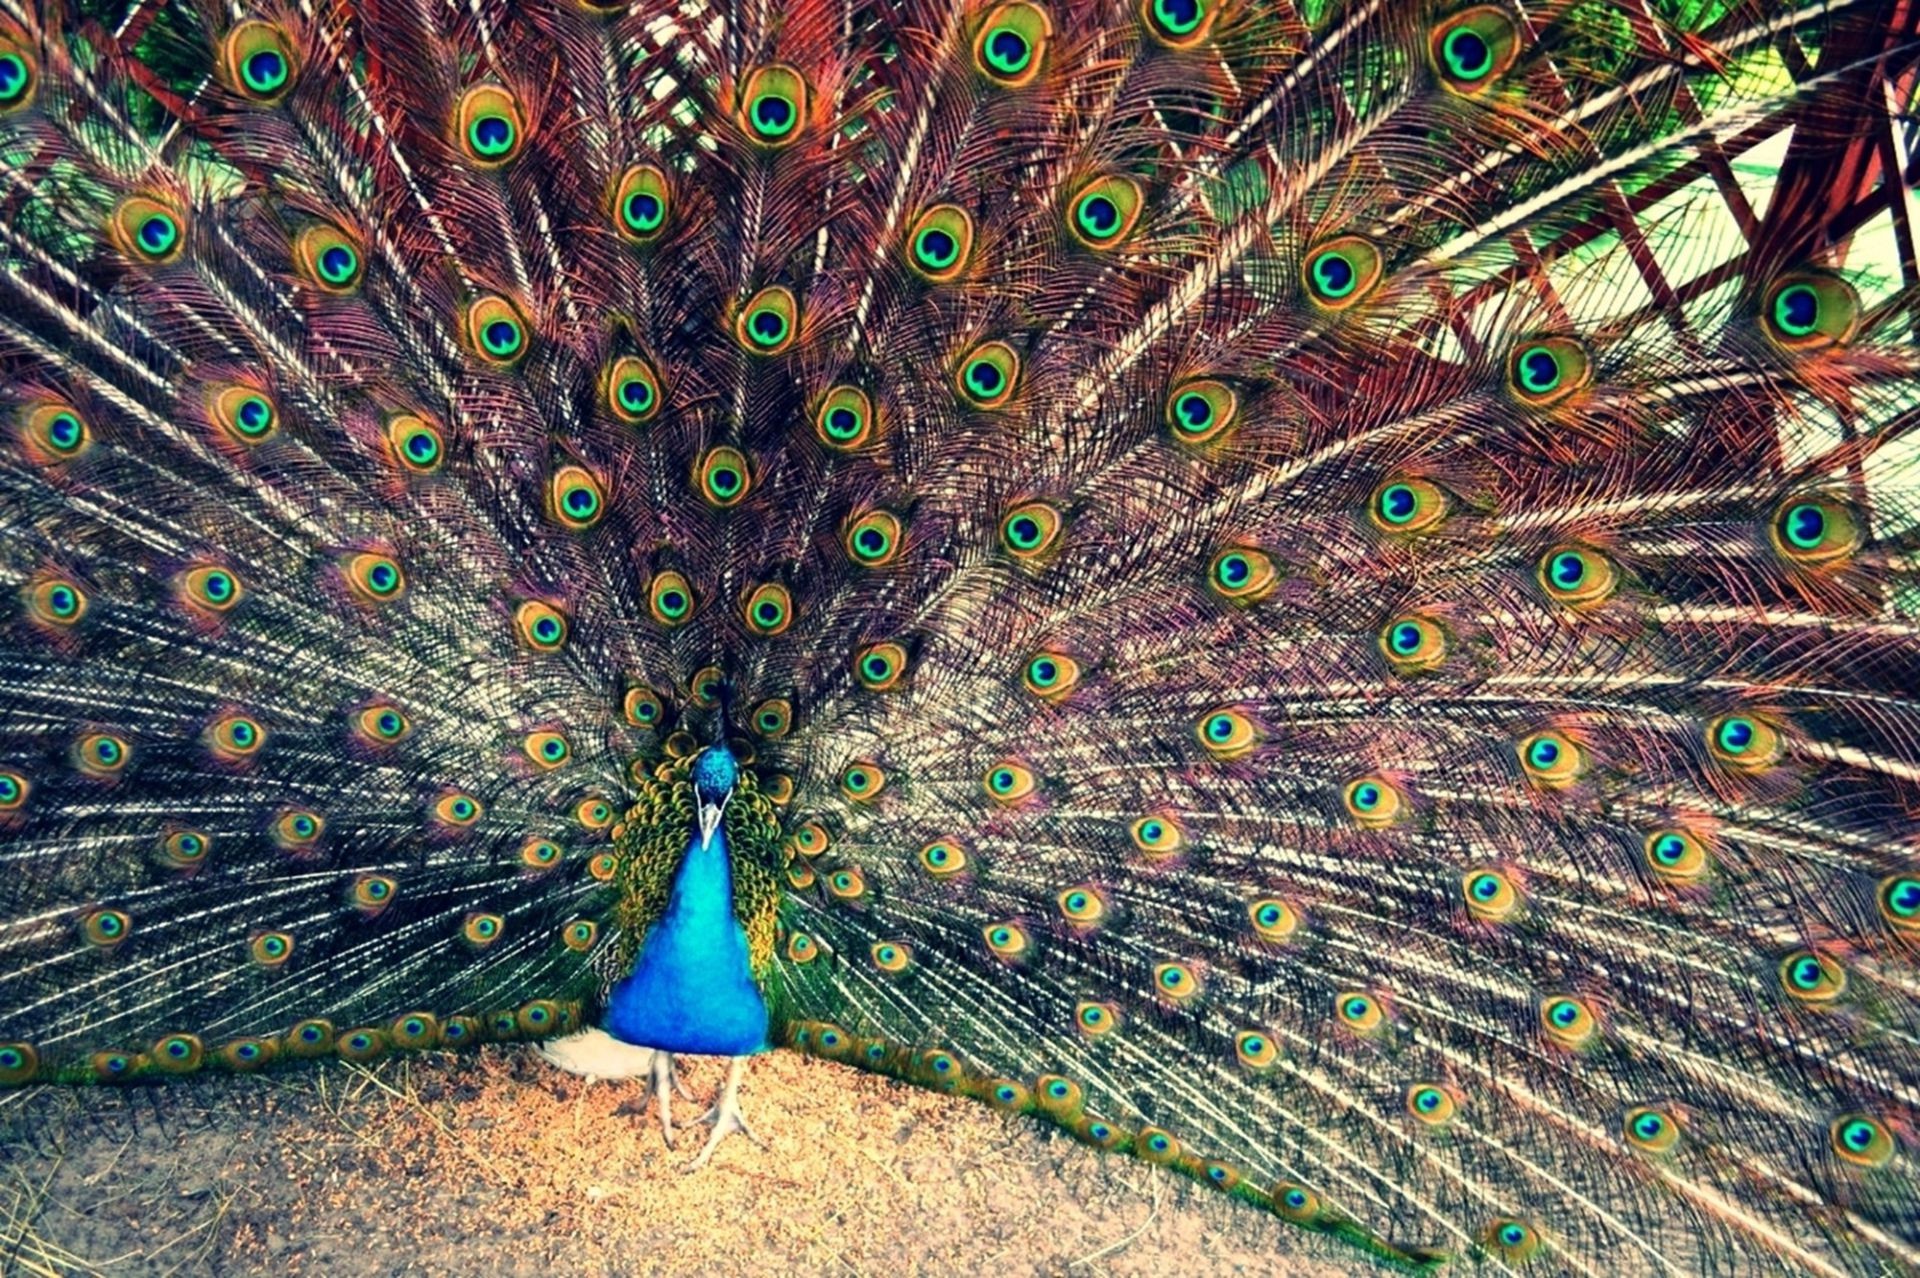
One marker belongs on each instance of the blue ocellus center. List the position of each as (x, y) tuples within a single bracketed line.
[(843, 423), (1099, 216), (266, 70), (773, 114), (1797, 310), (1177, 17), (937, 248), (1806, 526), (1397, 504), (1334, 274), (1467, 54), (643, 210), (1568, 570), (1008, 51), (984, 378), (1194, 411), (14, 77), (337, 263), (157, 233), (492, 134)]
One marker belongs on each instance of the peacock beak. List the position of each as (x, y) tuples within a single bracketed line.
[(710, 814)]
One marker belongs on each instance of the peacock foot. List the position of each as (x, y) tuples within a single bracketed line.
[(726, 1116)]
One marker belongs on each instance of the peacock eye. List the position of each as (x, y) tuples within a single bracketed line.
[(1104, 211), (1431, 1104), (1009, 781), (1178, 24), (328, 258), (1568, 1022), (939, 243), (723, 477), (943, 858), (1006, 941), (416, 443), (492, 127), (1815, 531), (1011, 42), (1490, 896), (633, 390), (1812, 978), (481, 930), (1341, 273), (495, 331), (1551, 759), (18, 76), (880, 666), (1806, 311), (1227, 734), (243, 414), (1095, 1019), (1744, 743), (147, 230), (1242, 575), (1201, 411), (1255, 1050), (1547, 371), (1296, 1202), (1176, 982), (774, 105), (1650, 1130), (1082, 905), (540, 626), (1403, 506), (546, 749), (641, 200), (1051, 676), (1473, 48), (670, 598), (1361, 1013), (1578, 577), (987, 375), (862, 782), (772, 718), (1413, 644), (768, 321), (1861, 1140), (1513, 1240), (1030, 530), (844, 418)]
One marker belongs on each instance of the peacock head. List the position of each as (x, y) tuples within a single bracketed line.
[(714, 774)]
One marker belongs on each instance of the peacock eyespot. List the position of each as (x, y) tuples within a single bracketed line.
[(873, 539), (14, 789), (1010, 43), (723, 477), (1030, 530), (482, 929), (1815, 531), (1176, 982), (105, 929), (1341, 273), (1568, 1022), (1227, 734), (491, 126), (495, 331), (670, 599), (641, 202), (1401, 507), (769, 610), (271, 949), (1255, 1050), (1361, 1013), (1051, 676), (1551, 759), (1650, 1130), (54, 432), (1812, 978), (328, 259), (374, 578), (1201, 411), (1006, 941), (987, 375), (1744, 743), (1898, 898), (246, 416), (844, 419), (1296, 1203), (547, 749), (1178, 24), (1374, 803), (18, 76), (416, 443), (768, 321), (891, 956), (147, 230), (1082, 905), (940, 242), (1548, 371), (1009, 781), (235, 738), (1473, 49), (1103, 213), (372, 893), (1413, 644), (1577, 576), (862, 782), (1861, 1141), (1431, 1104), (457, 810), (1810, 311), (773, 105), (1490, 896), (1242, 575), (102, 755), (1095, 1019), (880, 666), (57, 602), (178, 1054), (633, 390), (1512, 1240), (943, 858)]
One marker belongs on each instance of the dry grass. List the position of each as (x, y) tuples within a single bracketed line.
[(501, 1165)]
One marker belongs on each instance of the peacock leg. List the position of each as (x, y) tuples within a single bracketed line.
[(663, 1083), (726, 1116)]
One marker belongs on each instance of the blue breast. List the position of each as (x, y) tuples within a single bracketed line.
[(690, 989)]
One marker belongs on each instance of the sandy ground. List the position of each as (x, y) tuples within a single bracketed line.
[(500, 1164)]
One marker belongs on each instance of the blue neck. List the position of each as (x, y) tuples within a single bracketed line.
[(690, 989)]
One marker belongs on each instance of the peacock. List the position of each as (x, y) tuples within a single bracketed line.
[(1324, 594)]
